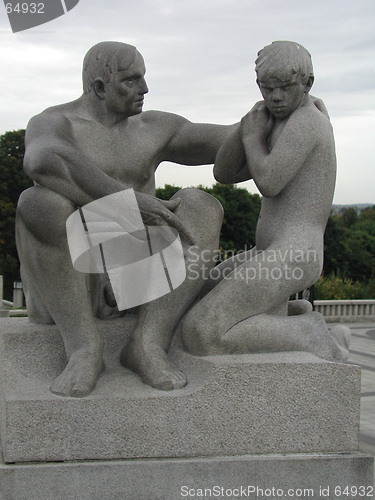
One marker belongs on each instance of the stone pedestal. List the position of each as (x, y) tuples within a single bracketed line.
[(226, 478), (283, 420)]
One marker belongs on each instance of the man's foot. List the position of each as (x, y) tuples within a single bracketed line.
[(153, 366), (80, 375)]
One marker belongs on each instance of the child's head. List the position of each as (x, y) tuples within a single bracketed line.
[(282, 60), (285, 76)]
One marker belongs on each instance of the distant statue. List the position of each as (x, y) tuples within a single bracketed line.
[(286, 145), (80, 152)]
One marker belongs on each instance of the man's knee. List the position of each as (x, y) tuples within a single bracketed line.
[(203, 209), (196, 198), (43, 213)]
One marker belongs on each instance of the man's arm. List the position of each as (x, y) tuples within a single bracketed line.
[(52, 161), (192, 143), (273, 170)]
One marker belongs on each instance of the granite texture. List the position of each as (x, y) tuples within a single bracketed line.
[(232, 405)]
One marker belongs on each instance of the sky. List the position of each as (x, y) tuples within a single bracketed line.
[(200, 57)]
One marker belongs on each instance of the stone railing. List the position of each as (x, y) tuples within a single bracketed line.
[(8, 308), (346, 311)]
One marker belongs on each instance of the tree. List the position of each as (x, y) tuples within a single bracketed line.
[(349, 217), (166, 192), (349, 244), (12, 182), (241, 213), (334, 247)]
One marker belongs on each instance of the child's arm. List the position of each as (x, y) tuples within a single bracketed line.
[(273, 170), (230, 163)]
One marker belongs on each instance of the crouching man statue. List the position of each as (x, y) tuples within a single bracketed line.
[(76, 153)]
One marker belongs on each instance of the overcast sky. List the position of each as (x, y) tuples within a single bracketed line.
[(200, 57)]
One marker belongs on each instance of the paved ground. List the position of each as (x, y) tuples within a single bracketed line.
[(362, 353)]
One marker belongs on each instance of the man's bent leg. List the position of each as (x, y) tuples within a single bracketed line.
[(62, 294), (146, 352)]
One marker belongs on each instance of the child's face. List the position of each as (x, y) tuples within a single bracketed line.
[(282, 98)]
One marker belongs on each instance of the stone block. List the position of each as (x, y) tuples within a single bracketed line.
[(282, 403), (315, 476)]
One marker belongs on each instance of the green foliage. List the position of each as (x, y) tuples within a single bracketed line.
[(334, 287), (166, 192), (12, 182), (349, 217), (349, 257), (334, 248), (349, 245), (241, 213)]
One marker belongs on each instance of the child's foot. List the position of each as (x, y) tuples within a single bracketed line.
[(341, 335)]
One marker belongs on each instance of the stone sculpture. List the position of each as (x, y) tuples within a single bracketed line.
[(102, 144), (286, 420), (287, 146), (82, 151)]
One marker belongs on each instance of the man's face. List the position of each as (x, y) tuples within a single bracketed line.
[(126, 89), (282, 98)]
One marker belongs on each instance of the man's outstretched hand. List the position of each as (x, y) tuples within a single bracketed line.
[(157, 212)]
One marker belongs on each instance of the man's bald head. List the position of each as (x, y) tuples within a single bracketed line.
[(103, 59)]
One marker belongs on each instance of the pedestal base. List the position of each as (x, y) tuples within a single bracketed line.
[(291, 402), (277, 425), (291, 476)]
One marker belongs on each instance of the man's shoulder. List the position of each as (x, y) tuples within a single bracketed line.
[(162, 118), (51, 120)]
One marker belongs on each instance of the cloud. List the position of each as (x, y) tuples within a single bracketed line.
[(200, 58)]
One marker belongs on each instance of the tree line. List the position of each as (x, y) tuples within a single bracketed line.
[(349, 242)]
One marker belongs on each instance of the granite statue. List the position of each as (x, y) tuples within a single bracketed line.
[(103, 143), (81, 151), (286, 145), (270, 418)]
